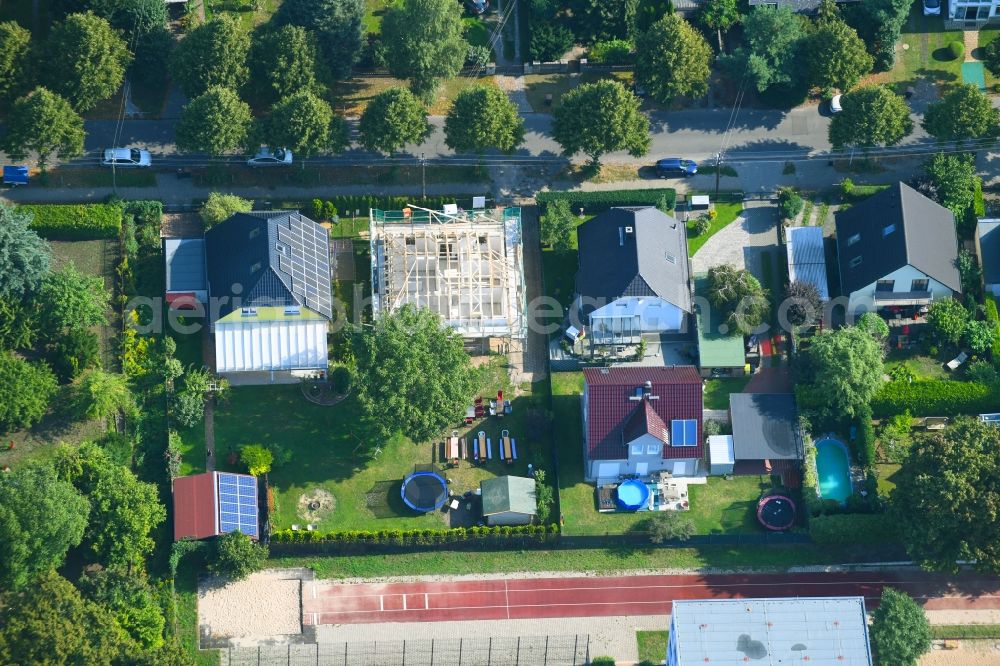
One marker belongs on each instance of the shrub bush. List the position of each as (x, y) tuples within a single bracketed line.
[(956, 50), (849, 528), (702, 225), (991, 56), (346, 205), (549, 41), (934, 398), (75, 221), (790, 202), (866, 438), (596, 202), (417, 536), (611, 52), (602, 661)]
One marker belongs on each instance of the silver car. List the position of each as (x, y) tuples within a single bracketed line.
[(126, 157), (267, 157)]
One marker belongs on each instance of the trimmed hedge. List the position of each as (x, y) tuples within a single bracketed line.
[(990, 312), (935, 398), (75, 221), (847, 528), (346, 206), (596, 202), (354, 540)]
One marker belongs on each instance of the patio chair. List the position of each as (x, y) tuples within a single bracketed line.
[(296, 528), (956, 362)]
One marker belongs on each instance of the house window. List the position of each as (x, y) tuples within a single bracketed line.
[(885, 285), (255, 267), (637, 449), (652, 449), (919, 284), (684, 432), (855, 262), (888, 229), (851, 240), (671, 258)]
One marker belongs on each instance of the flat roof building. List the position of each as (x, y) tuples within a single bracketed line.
[(467, 266), (822, 631)]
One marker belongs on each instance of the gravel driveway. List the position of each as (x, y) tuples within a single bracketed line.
[(741, 243)]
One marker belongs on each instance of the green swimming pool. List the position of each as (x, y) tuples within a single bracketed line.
[(834, 469)]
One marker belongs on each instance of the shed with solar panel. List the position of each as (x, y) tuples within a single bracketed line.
[(269, 282), (214, 503)]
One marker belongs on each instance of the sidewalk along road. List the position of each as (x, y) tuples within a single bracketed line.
[(326, 602)]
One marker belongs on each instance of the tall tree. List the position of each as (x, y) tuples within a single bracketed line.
[(48, 622), (872, 116), (599, 118), (963, 113), (879, 23), (131, 599), (948, 319), (483, 118), (24, 257), (41, 518), (306, 125), (283, 61), (804, 304), (215, 122), (427, 43), (337, 25), (15, 61), (739, 297), (773, 37), (720, 16), (673, 60), (900, 630), (84, 60), (392, 119), (213, 54), (70, 299), (647, 12), (558, 225), (25, 392), (236, 556), (839, 373), (952, 181), (101, 394), (872, 324), (836, 57), (44, 123), (219, 207), (135, 18), (124, 510), (18, 319), (395, 358), (959, 469), (601, 20)]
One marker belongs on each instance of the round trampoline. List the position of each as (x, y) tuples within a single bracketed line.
[(424, 491), (776, 512), (632, 495)]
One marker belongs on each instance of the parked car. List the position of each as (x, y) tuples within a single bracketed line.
[(675, 166), (835, 106), (477, 7), (932, 7), (267, 157), (126, 157)]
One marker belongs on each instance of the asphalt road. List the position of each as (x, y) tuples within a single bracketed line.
[(695, 134)]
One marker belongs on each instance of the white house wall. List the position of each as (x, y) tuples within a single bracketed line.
[(863, 300), (247, 346), (627, 466)]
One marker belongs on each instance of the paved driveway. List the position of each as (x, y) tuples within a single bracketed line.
[(740, 244)]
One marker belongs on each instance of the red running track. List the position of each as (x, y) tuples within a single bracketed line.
[(331, 603)]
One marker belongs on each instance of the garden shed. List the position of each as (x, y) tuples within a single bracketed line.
[(508, 500), (721, 456)]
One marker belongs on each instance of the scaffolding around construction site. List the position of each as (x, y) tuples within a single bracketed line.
[(467, 266)]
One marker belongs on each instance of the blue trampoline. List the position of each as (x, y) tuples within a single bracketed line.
[(424, 491), (633, 495)]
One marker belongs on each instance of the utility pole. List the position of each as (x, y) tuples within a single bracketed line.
[(718, 166), (423, 177)]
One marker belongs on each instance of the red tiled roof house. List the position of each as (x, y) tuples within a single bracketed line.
[(640, 421)]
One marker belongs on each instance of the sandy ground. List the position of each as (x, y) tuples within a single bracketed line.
[(969, 653), (267, 603)]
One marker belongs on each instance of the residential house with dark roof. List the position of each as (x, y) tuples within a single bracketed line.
[(633, 275), (641, 420), (269, 282), (766, 433), (988, 249), (897, 250)]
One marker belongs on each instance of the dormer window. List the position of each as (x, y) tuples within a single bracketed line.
[(671, 258), (855, 262), (255, 267), (888, 229), (254, 232), (851, 240)]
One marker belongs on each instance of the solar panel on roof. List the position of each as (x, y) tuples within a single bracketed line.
[(238, 504)]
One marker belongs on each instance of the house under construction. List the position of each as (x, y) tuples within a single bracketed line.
[(465, 265)]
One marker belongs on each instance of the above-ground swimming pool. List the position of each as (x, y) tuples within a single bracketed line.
[(633, 495), (833, 468)]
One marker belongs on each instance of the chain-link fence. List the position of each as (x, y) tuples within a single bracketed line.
[(486, 651)]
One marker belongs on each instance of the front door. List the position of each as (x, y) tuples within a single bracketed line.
[(642, 469)]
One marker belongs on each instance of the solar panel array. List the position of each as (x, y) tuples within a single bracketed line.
[(684, 432), (307, 262), (238, 504)]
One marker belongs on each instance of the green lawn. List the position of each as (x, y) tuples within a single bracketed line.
[(985, 37), (943, 631), (717, 391), (559, 269), (718, 507), (597, 560), (924, 367), (374, 11), (727, 212), (886, 473), (331, 450), (186, 598), (925, 52), (652, 645), (537, 86), (242, 11)]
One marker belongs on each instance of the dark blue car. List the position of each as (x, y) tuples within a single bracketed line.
[(672, 167)]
